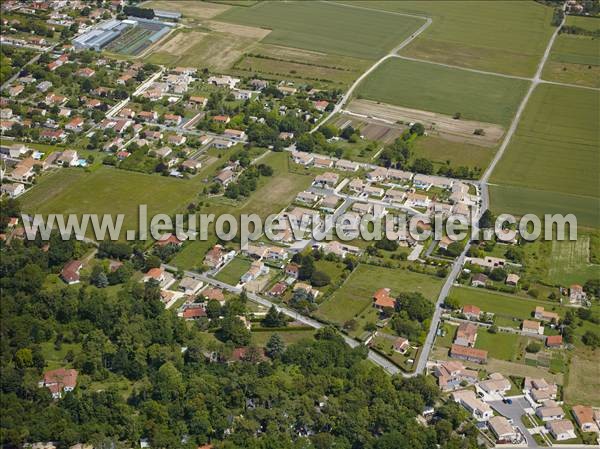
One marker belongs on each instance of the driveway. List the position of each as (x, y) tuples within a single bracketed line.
[(514, 411)]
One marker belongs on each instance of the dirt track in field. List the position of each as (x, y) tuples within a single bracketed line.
[(435, 124)]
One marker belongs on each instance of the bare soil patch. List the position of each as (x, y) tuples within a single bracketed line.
[(370, 128), (238, 30), (182, 42), (435, 124)]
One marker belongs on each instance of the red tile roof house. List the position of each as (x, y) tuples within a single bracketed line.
[(469, 354), (278, 289), (169, 239), (59, 380), (382, 299), (157, 274), (70, 272), (292, 269), (554, 341), (215, 257), (213, 293), (193, 313), (172, 119), (471, 312), (584, 416)]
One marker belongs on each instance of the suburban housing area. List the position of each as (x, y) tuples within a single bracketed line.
[(365, 109)]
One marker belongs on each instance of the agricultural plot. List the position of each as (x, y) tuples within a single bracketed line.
[(575, 59), (443, 152), (356, 294), (448, 91), (136, 39), (583, 381), (326, 27), (498, 36), (189, 10), (551, 165)]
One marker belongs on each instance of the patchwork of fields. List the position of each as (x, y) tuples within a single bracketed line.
[(552, 162), (445, 90), (498, 36)]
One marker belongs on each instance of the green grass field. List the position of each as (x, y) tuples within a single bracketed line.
[(502, 346), (439, 151), (289, 336), (499, 36), (326, 27), (356, 294), (233, 271), (555, 150), (109, 191), (424, 86)]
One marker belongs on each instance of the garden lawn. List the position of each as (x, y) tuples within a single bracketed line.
[(356, 294), (326, 27), (445, 90), (503, 346), (233, 271), (289, 336), (551, 164)]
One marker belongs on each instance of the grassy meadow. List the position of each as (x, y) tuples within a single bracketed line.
[(555, 151), (417, 85), (442, 152)]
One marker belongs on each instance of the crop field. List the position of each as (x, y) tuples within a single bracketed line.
[(423, 86), (575, 59), (554, 150), (193, 10), (108, 191), (440, 151), (326, 27), (497, 36), (356, 294)]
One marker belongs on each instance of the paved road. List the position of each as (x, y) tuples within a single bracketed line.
[(373, 356)]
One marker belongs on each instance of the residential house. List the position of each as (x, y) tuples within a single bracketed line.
[(243, 94), (377, 175), (222, 143), (223, 81), (495, 384), (417, 200), (215, 294), (70, 272), (362, 208), (302, 158), (307, 197), (287, 90), (561, 430), (292, 270), (576, 294), (321, 162), (285, 135), (532, 327), (191, 165), (23, 172), (172, 119), (480, 410), (539, 389), (471, 312), (544, 315), (68, 158), (86, 72), (215, 257), (225, 176), (584, 417), (75, 125), (12, 190), (329, 179), (466, 335), (278, 289), (193, 312), (486, 262), (177, 139), (340, 249), (190, 286), (148, 116), (356, 185), (395, 196), (425, 182), (382, 299), (58, 381), (198, 101), (329, 203), (451, 374), (156, 274), (401, 345), (374, 191), (479, 280), (399, 175), (307, 288), (554, 341), (550, 411), (223, 119), (502, 429), (345, 165), (468, 353), (235, 134), (256, 270), (512, 279), (169, 239)]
